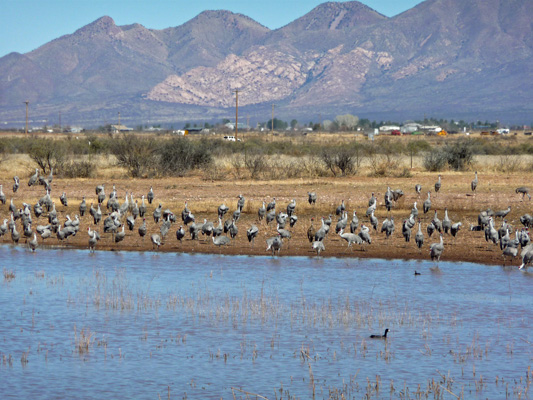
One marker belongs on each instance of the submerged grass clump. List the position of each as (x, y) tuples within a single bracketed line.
[(9, 275)]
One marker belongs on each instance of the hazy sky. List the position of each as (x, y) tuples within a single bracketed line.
[(28, 24)]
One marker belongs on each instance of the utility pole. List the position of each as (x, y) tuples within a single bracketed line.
[(236, 112), (272, 124), (59, 121), (26, 102), (119, 120)]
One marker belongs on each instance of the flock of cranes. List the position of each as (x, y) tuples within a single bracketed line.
[(126, 214)]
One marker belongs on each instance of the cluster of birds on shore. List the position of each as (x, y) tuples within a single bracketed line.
[(125, 214)]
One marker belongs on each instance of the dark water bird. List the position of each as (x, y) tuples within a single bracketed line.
[(311, 197), (473, 184), (524, 191), (150, 196), (384, 336), (438, 185), (251, 234)]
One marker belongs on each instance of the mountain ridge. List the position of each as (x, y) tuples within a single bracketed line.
[(450, 57)]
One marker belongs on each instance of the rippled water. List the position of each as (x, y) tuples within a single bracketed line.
[(196, 326)]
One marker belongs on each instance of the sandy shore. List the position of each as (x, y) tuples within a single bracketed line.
[(204, 197)]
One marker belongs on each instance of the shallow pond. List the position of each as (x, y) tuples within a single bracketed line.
[(157, 325)]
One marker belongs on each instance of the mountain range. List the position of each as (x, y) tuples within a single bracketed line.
[(461, 59)]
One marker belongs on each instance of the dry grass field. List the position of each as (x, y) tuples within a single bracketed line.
[(204, 193)]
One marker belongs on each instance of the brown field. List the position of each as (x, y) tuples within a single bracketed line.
[(495, 191)]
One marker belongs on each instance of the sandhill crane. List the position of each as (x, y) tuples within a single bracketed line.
[(185, 213), (427, 203), (189, 218), (157, 213), (236, 214), (150, 195), (207, 228), (33, 243), (524, 191), (274, 244), (2, 196), (222, 210), (284, 234), (271, 205), (388, 227), (318, 246), (101, 195), (93, 240), (418, 189), (354, 224), (364, 234), (311, 197), (406, 231), (414, 211), (438, 185), (374, 221), (446, 222), (419, 237), (219, 229), (4, 228), (430, 228), (240, 202), (351, 238), (311, 232), (502, 213), (156, 240), (527, 256), (372, 202), (292, 220), (135, 210), (342, 222), (340, 209), (33, 179), (83, 207), (233, 230), (436, 249), (437, 222), (180, 233), (142, 229), (291, 207), (321, 232), (388, 199), (16, 184), (281, 219), (455, 228), (271, 216), (142, 207), (221, 240), (491, 234), (261, 212), (251, 233), (473, 184)]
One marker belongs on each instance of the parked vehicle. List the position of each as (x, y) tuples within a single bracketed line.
[(396, 132)]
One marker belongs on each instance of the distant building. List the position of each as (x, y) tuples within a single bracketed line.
[(389, 128), (120, 128)]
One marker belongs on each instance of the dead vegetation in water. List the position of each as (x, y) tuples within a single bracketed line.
[(9, 275)]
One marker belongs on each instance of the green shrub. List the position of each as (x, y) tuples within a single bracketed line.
[(48, 154)]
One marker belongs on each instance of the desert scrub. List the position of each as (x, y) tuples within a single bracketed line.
[(178, 156), (78, 169), (136, 154)]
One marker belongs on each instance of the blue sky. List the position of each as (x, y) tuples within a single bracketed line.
[(28, 24)]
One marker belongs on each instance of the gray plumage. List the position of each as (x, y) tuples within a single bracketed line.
[(524, 191), (351, 238), (473, 184), (438, 185), (240, 202), (274, 244), (252, 233), (311, 197), (156, 240), (261, 212), (436, 250), (419, 237), (427, 203), (318, 246), (150, 196), (221, 240)]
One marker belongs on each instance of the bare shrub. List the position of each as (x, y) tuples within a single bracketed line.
[(435, 160), (179, 155), (136, 154), (255, 164), (509, 163), (78, 169), (48, 154), (339, 160)]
